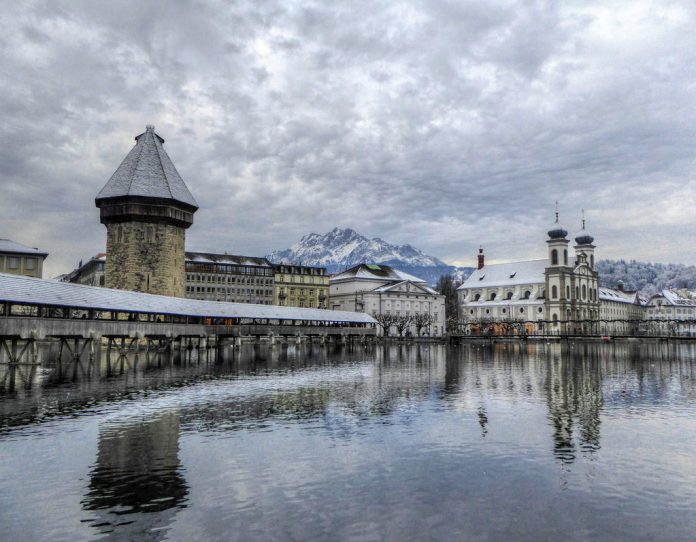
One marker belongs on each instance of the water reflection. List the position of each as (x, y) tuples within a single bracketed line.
[(137, 483), (439, 426)]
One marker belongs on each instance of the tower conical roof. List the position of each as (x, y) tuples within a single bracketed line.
[(147, 171)]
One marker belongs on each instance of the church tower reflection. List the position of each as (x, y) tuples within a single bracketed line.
[(136, 485), (574, 397)]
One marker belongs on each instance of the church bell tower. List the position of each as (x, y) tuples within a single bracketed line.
[(146, 208)]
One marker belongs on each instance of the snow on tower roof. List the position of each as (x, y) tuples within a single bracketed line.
[(507, 274), (147, 171)]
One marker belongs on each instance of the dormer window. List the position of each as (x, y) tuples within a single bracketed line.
[(482, 277), (513, 275)]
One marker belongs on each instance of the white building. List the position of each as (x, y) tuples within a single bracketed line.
[(667, 312), (554, 294), (380, 289), (620, 312)]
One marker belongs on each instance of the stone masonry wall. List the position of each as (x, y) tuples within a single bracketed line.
[(145, 257)]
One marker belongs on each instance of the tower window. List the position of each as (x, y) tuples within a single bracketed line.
[(554, 292), (554, 257), (565, 257)]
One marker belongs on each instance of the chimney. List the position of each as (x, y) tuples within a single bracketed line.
[(480, 258)]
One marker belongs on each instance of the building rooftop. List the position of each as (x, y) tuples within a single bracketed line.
[(147, 171), (608, 294), (370, 271), (231, 259), (673, 298), (507, 274), (12, 247), (30, 291)]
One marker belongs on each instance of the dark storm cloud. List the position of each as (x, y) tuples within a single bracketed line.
[(442, 124)]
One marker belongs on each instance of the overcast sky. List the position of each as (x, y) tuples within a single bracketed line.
[(442, 124)]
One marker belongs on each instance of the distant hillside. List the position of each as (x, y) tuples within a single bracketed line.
[(646, 277), (343, 248)]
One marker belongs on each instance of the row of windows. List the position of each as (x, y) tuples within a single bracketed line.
[(13, 263), (244, 291), (220, 279), (229, 269), (578, 291)]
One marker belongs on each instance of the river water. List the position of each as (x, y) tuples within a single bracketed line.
[(509, 442)]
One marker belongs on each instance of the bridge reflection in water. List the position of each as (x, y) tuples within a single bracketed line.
[(137, 484)]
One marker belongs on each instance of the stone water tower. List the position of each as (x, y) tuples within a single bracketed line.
[(146, 208)]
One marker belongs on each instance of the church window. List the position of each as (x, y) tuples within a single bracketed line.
[(592, 260), (477, 297), (527, 294), (509, 295), (521, 310), (577, 292), (492, 296), (568, 292), (504, 311), (554, 292), (565, 257), (584, 292), (539, 309), (554, 257)]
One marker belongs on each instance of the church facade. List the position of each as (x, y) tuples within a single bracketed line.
[(557, 294)]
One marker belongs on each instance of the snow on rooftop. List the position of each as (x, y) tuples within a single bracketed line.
[(30, 291), (7, 245), (608, 294), (376, 272), (507, 274)]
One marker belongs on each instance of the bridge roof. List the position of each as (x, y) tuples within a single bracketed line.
[(30, 291)]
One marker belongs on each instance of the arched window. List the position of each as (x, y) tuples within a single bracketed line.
[(527, 294), (565, 257), (555, 317), (577, 292), (567, 292), (477, 297), (584, 292), (592, 261), (509, 295), (521, 310), (554, 257), (492, 296), (554, 292)]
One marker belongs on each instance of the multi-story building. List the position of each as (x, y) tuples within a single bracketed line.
[(382, 290), (671, 313), (553, 294), (227, 277), (18, 259), (620, 312), (90, 273), (300, 286)]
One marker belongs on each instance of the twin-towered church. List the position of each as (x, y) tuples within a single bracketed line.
[(559, 293)]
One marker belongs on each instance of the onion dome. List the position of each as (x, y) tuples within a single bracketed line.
[(584, 238), (557, 231)]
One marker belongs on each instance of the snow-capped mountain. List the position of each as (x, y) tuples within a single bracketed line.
[(343, 248)]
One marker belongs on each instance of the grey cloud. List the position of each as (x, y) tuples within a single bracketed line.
[(440, 124)]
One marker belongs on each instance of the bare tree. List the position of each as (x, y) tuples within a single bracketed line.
[(401, 324), (421, 320), (385, 321)]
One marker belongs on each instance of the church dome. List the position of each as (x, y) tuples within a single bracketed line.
[(584, 238), (557, 231)]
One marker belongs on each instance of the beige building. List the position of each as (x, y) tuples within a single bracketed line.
[(671, 313), (382, 290), (300, 286), (18, 259), (146, 208), (227, 277)]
